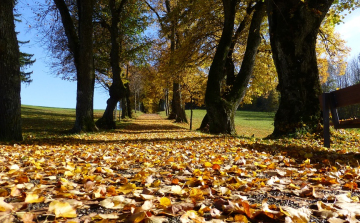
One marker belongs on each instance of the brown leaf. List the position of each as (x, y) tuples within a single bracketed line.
[(136, 218)]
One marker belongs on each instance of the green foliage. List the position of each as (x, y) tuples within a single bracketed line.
[(25, 60)]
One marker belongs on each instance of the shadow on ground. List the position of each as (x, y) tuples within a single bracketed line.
[(154, 125)]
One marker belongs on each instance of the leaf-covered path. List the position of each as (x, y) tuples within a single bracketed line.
[(155, 171)]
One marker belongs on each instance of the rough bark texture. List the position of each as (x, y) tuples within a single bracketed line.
[(81, 46), (294, 27), (85, 71), (177, 110), (117, 89), (218, 110), (221, 108), (10, 105)]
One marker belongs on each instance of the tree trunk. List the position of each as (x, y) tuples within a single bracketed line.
[(127, 98), (216, 107), (85, 73), (117, 89), (221, 108), (81, 46), (294, 26), (10, 104), (177, 110)]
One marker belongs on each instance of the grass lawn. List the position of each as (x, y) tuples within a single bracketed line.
[(248, 123), (45, 122)]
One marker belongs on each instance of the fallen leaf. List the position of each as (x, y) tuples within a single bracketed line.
[(165, 202), (62, 209), (300, 215), (5, 206)]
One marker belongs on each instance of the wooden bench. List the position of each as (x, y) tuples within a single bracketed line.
[(333, 100)]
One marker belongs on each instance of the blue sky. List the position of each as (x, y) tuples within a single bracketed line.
[(47, 89), (51, 91)]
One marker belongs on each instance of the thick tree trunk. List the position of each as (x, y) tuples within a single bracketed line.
[(10, 104), (81, 46), (107, 120), (117, 89), (221, 109), (218, 110), (177, 110), (294, 27), (85, 70)]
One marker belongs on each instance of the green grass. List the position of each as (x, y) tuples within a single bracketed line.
[(40, 122), (247, 123), (46, 122)]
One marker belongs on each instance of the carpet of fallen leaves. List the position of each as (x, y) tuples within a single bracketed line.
[(154, 171)]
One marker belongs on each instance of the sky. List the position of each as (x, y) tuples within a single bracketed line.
[(51, 91)]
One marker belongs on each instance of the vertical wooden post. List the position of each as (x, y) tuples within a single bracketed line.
[(325, 108)]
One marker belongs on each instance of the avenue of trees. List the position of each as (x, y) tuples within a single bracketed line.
[(220, 54)]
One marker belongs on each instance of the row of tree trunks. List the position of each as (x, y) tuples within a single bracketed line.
[(10, 105), (294, 26)]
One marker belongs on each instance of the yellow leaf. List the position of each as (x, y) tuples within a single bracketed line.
[(62, 209), (127, 188), (33, 198), (272, 166), (156, 183), (197, 172), (293, 186), (165, 202), (241, 218), (197, 194), (207, 164)]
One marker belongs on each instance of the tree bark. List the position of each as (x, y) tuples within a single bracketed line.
[(10, 104), (218, 110), (127, 98), (85, 75), (294, 26), (117, 89), (177, 109), (221, 108), (81, 46)]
